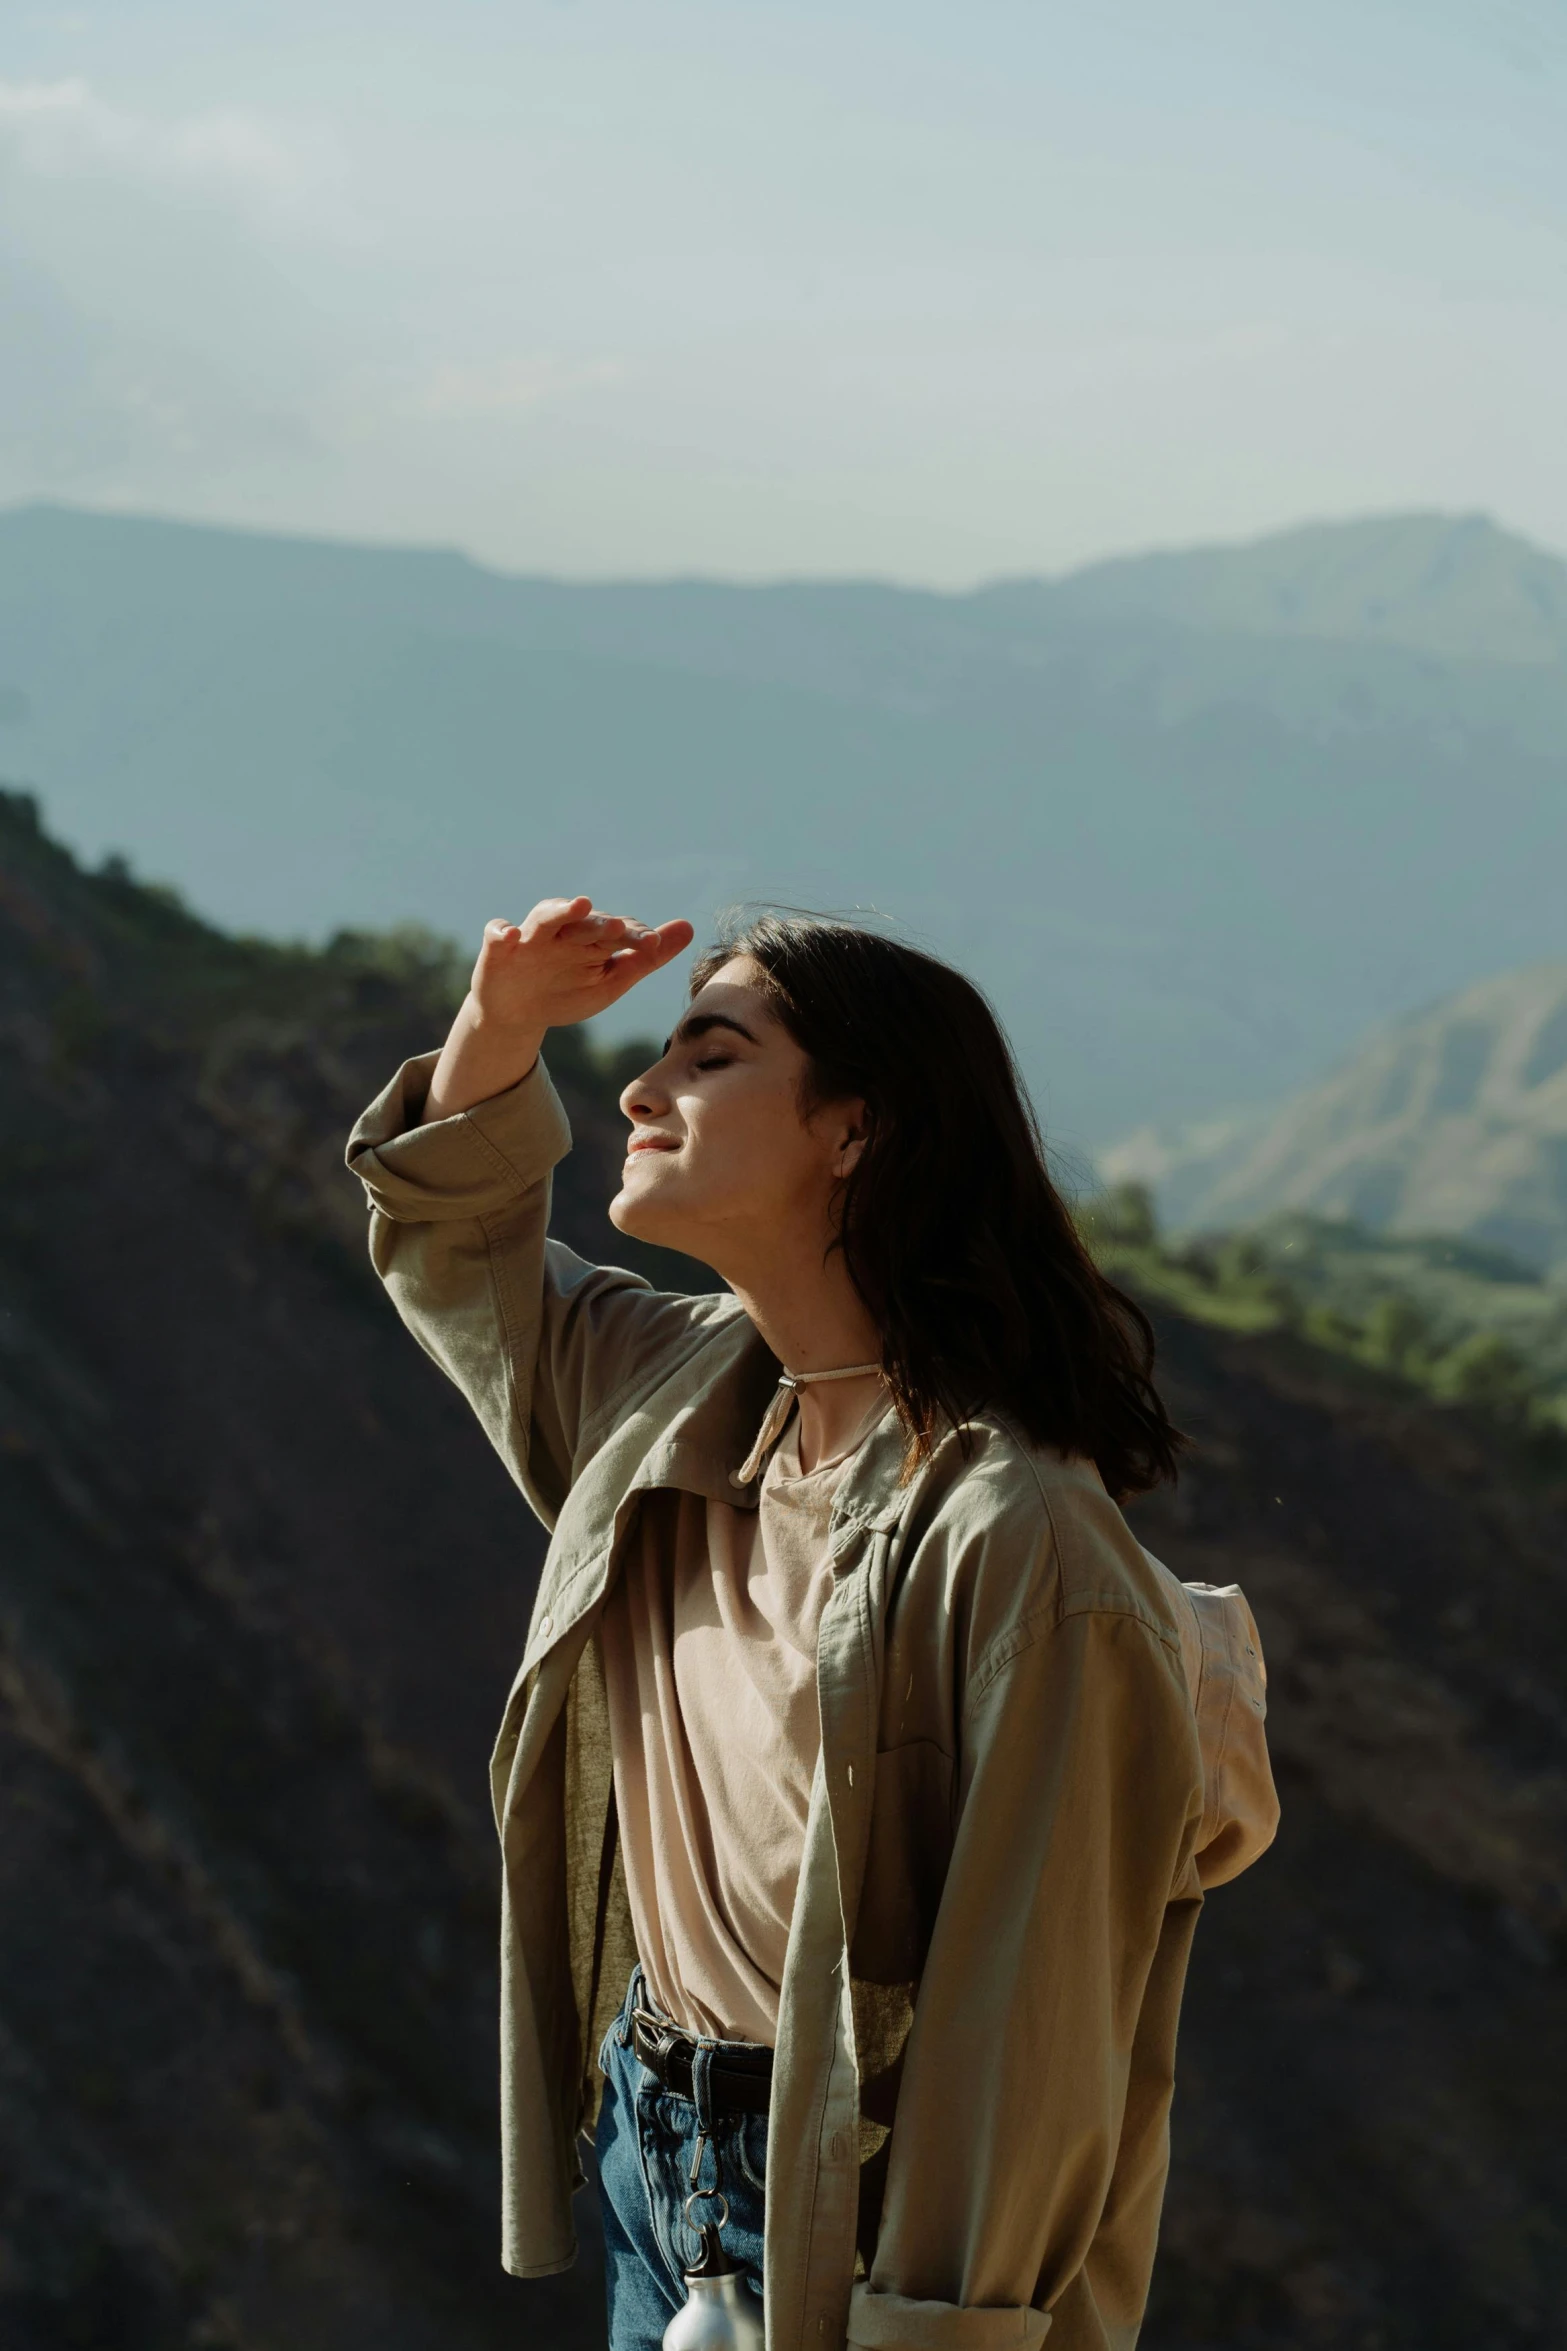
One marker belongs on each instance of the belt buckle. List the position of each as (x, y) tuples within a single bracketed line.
[(657, 2035)]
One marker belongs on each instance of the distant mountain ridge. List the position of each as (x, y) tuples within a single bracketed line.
[(1193, 820), (1455, 586), (1452, 1120)]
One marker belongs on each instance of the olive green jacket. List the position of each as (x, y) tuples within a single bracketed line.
[(1036, 1748)]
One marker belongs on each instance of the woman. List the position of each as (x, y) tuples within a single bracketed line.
[(862, 1774)]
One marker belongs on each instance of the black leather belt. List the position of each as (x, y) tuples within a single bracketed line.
[(741, 2078)]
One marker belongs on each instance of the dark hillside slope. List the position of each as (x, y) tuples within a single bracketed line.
[(261, 1592)]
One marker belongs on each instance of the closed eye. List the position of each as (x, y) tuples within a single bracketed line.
[(715, 1061)]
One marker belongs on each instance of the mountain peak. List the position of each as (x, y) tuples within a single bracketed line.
[(1454, 585), (1452, 1119)]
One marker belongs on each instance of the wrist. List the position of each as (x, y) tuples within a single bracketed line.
[(482, 1057), (501, 1029)]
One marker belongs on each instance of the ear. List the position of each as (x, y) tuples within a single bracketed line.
[(853, 1134)]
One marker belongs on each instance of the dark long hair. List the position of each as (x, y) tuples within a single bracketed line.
[(952, 1231)]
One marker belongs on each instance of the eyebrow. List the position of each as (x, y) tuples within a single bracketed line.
[(697, 1024)]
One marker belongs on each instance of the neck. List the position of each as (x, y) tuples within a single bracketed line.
[(813, 1319)]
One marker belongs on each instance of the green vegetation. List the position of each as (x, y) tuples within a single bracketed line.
[(1466, 1326), (189, 982), (151, 955)]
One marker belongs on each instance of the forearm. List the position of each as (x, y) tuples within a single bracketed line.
[(483, 1056), (456, 1199), (538, 1341)]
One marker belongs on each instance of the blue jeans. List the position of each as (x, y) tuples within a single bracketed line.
[(647, 2145)]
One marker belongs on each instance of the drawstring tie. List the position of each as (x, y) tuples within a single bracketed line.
[(778, 1411)]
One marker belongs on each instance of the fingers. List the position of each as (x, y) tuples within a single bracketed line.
[(648, 949), (612, 945), (596, 934), (646, 953), (550, 917), (572, 921)]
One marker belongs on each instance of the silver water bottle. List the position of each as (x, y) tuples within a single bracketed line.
[(721, 2312)]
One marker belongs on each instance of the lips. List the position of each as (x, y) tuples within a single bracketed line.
[(650, 1143)]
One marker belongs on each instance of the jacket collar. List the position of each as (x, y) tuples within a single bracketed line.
[(715, 1404), (709, 1415), (707, 1442), (691, 1432)]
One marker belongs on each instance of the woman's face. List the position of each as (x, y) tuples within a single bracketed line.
[(722, 1163)]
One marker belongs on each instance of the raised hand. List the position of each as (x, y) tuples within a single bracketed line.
[(565, 963)]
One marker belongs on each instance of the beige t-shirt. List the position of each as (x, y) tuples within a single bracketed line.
[(709, 1645)]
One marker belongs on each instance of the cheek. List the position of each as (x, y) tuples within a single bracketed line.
[(752, 1149)]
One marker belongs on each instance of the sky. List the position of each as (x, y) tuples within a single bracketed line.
[(933, 293)]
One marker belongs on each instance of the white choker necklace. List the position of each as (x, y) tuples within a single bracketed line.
[(778, 1412)]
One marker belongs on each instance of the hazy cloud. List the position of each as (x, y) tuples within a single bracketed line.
[(131, 250), (508, 387), (784, 288), (63, 129), (107, 411)]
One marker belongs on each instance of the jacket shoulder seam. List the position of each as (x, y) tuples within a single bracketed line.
[(1040, 1623), (1036, 1622)]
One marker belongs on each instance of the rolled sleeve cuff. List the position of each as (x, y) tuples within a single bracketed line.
[(890, 2322), (456, 1167)]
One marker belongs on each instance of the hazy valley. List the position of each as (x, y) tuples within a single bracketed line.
[(1196, 820)]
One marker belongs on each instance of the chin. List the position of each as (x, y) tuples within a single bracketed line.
[(634, 1213), (637, 1217)]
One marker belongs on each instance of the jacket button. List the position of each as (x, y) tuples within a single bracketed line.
[(546, 1624)]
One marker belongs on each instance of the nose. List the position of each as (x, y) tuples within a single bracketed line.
[(645, 1097)]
